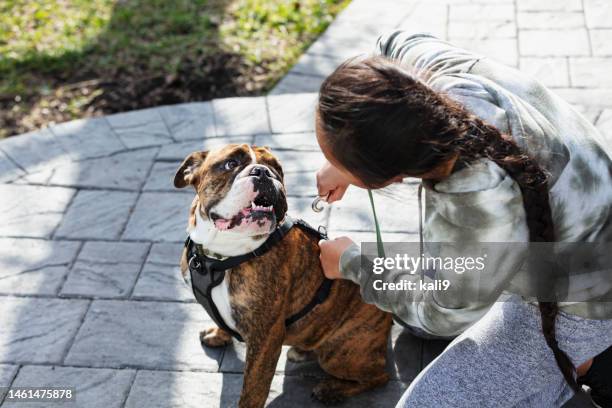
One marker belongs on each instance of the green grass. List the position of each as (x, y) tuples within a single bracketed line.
[(45, 36), (277, 30), (62, 59)]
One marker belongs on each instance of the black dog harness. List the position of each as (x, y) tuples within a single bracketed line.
[(207, 272)]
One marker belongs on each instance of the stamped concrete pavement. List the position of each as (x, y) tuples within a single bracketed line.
[(91, 226)]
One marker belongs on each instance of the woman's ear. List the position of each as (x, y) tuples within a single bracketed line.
[(442, 170), (185, 175)]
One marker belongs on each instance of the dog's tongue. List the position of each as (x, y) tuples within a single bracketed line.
[(222, 224), (225, 224)]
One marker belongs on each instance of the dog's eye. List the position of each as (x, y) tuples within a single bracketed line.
[(230, 164)]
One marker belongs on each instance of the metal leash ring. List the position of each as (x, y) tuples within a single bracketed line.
[(318, 204)]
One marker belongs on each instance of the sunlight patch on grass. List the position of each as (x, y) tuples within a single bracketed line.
[(64, 59), (276, 33), (42, 28)]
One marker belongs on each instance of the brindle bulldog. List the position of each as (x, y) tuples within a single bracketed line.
[(240, 199)]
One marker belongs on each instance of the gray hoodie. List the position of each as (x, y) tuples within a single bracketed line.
[(481, 202)]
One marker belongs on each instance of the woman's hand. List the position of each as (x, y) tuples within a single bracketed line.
[(331, 250), (331, 183)]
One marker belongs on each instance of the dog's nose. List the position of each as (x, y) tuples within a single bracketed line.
[(260, 172)]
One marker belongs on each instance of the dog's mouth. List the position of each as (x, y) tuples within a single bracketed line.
[(260, 211)]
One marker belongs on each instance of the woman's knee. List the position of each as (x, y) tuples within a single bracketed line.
[(443, 382), (417, 395)]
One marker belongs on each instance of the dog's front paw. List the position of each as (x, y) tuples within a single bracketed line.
[(327, 392), (215, 337)]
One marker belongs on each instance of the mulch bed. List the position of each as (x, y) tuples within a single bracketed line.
[(206, 77)]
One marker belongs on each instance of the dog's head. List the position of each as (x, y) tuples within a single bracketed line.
[(239, 188)]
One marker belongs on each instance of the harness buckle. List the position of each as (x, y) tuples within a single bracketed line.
[(195, 264), (323, 231)]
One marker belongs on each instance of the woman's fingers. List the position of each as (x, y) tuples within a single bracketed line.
[(337, 194), (331, 251), (331, 182)]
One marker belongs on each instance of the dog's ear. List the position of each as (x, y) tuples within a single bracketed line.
[(185, 174)]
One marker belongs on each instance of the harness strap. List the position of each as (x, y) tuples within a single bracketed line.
[(205, 299), (318, 298), (231, 262), (207, 272)]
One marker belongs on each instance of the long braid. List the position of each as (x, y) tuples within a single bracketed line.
[(485, 140)]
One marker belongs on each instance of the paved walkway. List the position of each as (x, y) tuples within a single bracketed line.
[(565, 43), (91, 227)]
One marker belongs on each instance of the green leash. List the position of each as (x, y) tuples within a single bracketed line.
[(379, 241)]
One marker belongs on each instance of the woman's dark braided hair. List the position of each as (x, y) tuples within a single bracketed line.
[(380, 121)]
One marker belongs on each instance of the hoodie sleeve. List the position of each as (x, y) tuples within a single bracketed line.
[(478, 204), (444, 66), (425, 53)]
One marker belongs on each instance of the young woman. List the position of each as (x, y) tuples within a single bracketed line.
[(502, 159)]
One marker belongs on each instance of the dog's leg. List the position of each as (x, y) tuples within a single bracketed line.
[(297, 355), (263, 351), (334, 390), (215, 337), (355, 363), (350, 376)]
